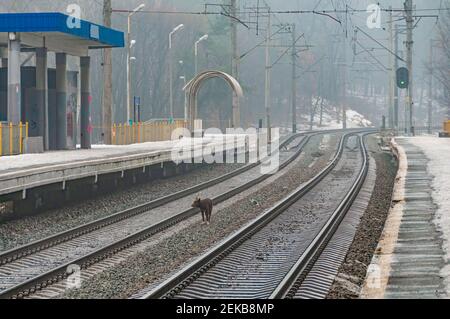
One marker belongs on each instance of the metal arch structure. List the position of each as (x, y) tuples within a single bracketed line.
[(193, 87)]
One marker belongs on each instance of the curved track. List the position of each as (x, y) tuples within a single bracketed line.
[(37, 265), (269, 257)]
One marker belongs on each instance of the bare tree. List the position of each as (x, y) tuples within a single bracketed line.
[(441, 68)]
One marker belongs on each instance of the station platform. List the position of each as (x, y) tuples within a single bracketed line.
[(52, 159), (26, 177), (412, 258)]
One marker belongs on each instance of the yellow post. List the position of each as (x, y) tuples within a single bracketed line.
[(118, 134), (124, 134), (129, 137), (124, 139), (139, 132), (113, 134), (447, 126), (1, 138), (144, 133), (119, 141), (130, 134), (10, 138), (20, 138), (158, 135)]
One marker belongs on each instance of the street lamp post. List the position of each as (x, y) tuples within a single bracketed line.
[(203, 38), (178, 28), (130, 43), (183, 77)]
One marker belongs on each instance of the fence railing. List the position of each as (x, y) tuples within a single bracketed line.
[(12, 137), (126, 134)]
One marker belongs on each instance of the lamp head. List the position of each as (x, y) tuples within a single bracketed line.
[(140, 7), (178, 28)]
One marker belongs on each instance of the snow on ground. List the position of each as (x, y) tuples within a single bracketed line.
[(97, 152), (354, 120), (329, 117), (438, 152), (357, 119)]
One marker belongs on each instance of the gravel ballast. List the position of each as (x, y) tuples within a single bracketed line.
[(158, 261), (19, 232), (352, 272)]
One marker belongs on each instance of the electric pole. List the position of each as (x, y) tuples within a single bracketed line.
[(235, 62), (320, 77), (396, 96), (344, 73), (267, 82), (107, 80), (409, 57), (430, 90), (391, 72), (294, 80), (344, 86)]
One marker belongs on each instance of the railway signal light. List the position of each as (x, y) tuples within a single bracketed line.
[(402, 78)]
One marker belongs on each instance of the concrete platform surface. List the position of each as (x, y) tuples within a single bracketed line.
[(23, 172), (27, 161), (413, 257)]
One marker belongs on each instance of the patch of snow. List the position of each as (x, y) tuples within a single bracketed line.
[(329, 117), (97, 152)]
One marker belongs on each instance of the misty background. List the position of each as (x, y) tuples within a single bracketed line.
[(320, 65)]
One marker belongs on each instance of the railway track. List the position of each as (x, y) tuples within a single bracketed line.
[(32, 267), (270, 257)]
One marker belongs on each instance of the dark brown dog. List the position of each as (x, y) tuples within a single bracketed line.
[(206, 207)]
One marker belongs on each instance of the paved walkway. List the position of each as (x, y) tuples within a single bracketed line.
[(412, 257)]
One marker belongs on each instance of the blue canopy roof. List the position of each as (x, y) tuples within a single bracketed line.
[(93, 35)]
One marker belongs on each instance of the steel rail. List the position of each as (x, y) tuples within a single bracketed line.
[(58, 273), (173, 285), (291, 282), (64, 236)]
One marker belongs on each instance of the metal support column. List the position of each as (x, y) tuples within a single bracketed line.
[(4, 57), (267, 98), (42, 96), (107, 80), (396, 91), (409, 49), (14, 83), (85, 116), (235, 63), (391, 72), (61, 101), (430, 92), (294, 80)]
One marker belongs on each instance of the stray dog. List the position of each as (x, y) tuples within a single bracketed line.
[(206, 207)]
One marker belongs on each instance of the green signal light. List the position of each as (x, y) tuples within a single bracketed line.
[(402, 78)]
